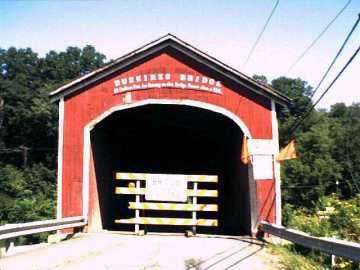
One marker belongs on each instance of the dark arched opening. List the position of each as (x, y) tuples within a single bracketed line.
[(172, 139)]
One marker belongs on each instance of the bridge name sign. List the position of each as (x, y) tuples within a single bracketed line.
[(167, 80)]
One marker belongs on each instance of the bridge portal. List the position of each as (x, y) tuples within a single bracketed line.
[(168, 108)]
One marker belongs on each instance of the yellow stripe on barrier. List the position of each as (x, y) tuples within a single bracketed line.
[(144, 176), (190, 192), (130, 176), (202, 193), (173, 206), (169, 221), (202, 178), (131, 191)]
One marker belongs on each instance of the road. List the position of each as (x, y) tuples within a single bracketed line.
[(151, 252)]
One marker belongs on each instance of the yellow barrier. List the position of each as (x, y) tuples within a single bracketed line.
[(190, 192), (144, 176), (134, 188), (169, 221), (174, 206)]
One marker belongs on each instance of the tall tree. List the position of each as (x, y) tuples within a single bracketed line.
[(315, 172), (299, 91), (346, 151), (28, 122)]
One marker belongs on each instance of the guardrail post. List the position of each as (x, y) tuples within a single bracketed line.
[(333, 264), (9, 246)]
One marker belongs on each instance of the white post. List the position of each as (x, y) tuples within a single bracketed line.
[(86, 173), (333, 261), (194, 202), (60, 159), (137, 211), (9, 246), (333, 264), (275, 137)]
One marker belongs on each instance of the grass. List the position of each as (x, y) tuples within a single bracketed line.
[(292, 260)]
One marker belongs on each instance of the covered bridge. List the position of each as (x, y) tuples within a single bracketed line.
[(168, 108)]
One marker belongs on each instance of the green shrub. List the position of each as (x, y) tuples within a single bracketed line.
[(334, 218)]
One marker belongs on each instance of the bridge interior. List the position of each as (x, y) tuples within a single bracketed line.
[(172, 139)]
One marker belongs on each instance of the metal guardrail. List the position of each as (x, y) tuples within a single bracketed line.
[(10, 231), (346, 249)]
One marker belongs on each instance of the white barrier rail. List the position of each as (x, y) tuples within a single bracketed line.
[(10, 231), (346, 249)]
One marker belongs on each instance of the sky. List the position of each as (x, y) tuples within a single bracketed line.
[(224, 29)]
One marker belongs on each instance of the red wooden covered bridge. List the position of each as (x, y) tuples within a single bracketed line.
[(155, 137)]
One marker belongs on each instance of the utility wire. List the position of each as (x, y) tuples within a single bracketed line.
[(323, 94), (317, 38), (337, 55), (312, 186), (316, 185), (261, 33), (19, 149), (296, 125), (327, 71)]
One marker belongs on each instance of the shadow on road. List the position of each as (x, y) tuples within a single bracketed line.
[(227, 258)]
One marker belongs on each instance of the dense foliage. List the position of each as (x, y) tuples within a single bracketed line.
[(28, 127), (328, 148), (335, 219), (320, 189)]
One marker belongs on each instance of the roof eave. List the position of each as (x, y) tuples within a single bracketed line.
[(185, 48)]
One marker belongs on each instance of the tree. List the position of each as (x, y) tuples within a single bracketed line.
[(299, 92), (346, 151), (28, 120), (261, 78), (316, 171)]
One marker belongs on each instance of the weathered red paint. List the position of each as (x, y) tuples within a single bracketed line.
[(265, 194), (80, 108)]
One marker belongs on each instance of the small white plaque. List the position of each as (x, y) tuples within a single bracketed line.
[(166, 187), (262, 167)]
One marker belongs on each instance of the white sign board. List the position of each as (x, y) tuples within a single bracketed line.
[(166, 187), (261, 147), (263, 166)]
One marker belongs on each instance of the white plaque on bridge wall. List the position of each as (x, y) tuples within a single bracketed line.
[(261, 147), (262, 167), (166, 187)]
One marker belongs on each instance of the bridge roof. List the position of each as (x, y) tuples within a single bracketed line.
[(169, 41)]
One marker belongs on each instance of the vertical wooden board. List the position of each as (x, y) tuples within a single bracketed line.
[(75, 199), (94, 223), (265, 191), (73, 157)]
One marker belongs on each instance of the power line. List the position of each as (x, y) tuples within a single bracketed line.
[(10, 150), (337, 55), (33, 149), (312, 186), (323, 94), (318, 185), (296, 125), (261, 33), (317, 38)]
